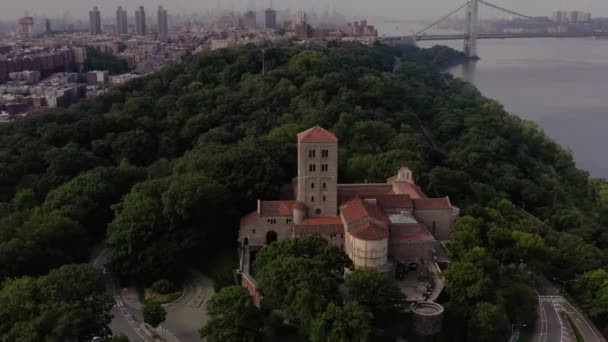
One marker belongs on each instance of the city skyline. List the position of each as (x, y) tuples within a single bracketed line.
[(410, 9)]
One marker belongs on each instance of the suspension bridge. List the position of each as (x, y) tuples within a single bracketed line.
[(472, 24)]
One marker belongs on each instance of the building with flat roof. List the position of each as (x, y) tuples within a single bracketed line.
[(163, 22), (95, 21), (270, 19), (249, 20), (140, 22), (122, 26), (26, 27)]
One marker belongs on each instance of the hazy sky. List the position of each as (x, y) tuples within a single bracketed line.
[(403, 9)]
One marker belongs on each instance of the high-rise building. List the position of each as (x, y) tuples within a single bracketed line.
[(270, 19), (301, 17), (121, 21), (140, 21), (249, 20), (163, 25), (301, 26), (47, 26), (26, 27), (95, 21)]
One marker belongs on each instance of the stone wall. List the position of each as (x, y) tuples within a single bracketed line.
[(257, 231), (438, 221)]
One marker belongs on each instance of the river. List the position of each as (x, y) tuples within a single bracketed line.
[(561, 84)]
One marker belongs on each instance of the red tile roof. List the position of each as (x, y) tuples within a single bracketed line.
[(317, 134), (369, 231), (395, 201), (410, 231), (277, 208), (410, 189), (431, 203), (346, 192), (357, 209), (320, 225), (249, 218)]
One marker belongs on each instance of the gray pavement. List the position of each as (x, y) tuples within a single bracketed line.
[(185, 317), (188, 315), (552, 325), (125, 320)]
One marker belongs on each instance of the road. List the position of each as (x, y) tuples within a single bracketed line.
[(551, 327), (125, 320), (187, 316)]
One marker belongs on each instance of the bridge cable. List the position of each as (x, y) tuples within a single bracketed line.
[(440, 20), (505, 10)]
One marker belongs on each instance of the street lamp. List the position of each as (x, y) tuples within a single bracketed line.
[(513, 326), (564, 282)]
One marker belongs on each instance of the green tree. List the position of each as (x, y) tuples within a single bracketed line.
[(232, 317), (68, 304), (465, 282), (339, 323), (487, 323), (373, 291), (154, 313)]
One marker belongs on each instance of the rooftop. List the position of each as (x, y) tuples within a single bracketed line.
[(358, 209), (369, 231), (432, 203), (317, 134), (276, 208), (320, 225)]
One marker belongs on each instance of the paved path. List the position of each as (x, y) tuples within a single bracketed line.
[(187, 316)]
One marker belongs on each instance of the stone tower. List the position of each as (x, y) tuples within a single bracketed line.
[(318, 171)]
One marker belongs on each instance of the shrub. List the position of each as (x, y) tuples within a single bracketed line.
[(163, 286)]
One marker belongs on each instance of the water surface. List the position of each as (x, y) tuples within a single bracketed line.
[(561, 84)]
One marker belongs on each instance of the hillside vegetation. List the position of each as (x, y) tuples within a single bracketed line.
[(164, 166)]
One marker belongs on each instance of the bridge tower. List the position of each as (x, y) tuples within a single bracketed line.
[(472, 28)]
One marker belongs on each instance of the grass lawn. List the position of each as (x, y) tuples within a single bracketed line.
[(150, 296)]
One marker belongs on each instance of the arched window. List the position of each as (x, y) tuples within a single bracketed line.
[(318, 211)]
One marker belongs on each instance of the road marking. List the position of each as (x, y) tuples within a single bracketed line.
[(542, 337), (584, 320)]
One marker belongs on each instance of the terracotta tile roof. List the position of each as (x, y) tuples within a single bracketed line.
[(249, 218), (346, 192), (357, 209), (276, 208), (410, 231), (320, 225), (369, 231), (410, 189), (317, 134), (395, 201), (431, 203)]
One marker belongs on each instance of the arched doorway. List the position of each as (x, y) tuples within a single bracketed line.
[(245, 241), (271, 237)]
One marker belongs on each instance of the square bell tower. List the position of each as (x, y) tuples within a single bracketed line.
[(318, 172)]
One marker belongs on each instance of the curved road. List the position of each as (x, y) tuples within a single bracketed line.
[(125, 320), (184, 317), (551, 327)]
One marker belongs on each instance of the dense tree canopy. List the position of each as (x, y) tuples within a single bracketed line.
[(232, 317), (164, 158), (68, 304)]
